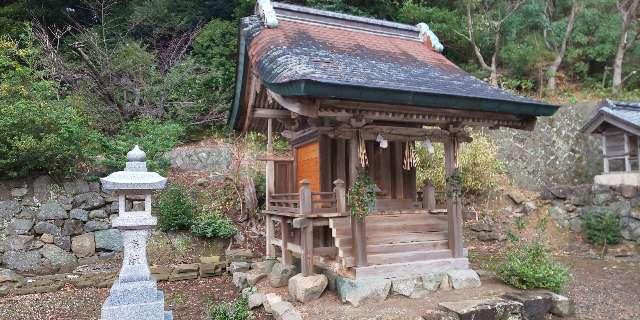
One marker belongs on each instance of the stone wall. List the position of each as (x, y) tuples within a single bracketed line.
[(556, 152), (569, 203), (48, 227)]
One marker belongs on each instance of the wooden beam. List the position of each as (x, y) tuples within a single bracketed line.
[(271, 113), (397, 133), (269, 231), (307, 108), (285, 235)]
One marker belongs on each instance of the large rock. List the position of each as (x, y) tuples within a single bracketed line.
[(19, 226), (76, 187), (254, 276), (463, 279), (98, 214), (491, 309), (63, 242), (263, 266), (52, 210), (22, 261), (280, 274), (233, 255), (108, 240), (516, 197), (95, 225), (88, 201), (562, 306), (7, 275), (409, 287), (362, 291), (43, 227), (59, 259), (72, 227), (305, 289), (79, 214), (284, 310), (8, 209), (536, 306), (83, 245), (432, 281), (239, 266), (270, 299), (240, 280), (256, 299), (22, 243)]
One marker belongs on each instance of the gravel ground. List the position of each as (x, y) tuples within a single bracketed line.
[(602, 289)]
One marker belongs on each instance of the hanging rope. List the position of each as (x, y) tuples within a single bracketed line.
[(410, 159), (362, 151)]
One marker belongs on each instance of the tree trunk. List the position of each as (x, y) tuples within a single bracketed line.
[(629, 14), (553, 69), (495, 76)]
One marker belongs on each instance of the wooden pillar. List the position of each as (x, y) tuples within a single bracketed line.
[(627, 149), (428, 196), (398, 171), (454, 206), (305, 205), (341, 196), (605, 160), (269, 180), (358, 226), (341, 159), (306, 244), (285, 235)]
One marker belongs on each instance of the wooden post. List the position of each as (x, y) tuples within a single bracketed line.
[(285, 232), (306, 204), (605, 160), (306, 244), (627, 149), (358, 226), (341, 196), (428, 196), (269, 236), (454, 207), (398, 171)]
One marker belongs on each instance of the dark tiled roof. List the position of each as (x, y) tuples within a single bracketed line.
[(354, 62), (617, 113)]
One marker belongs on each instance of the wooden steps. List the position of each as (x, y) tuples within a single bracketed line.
[(395, 238)]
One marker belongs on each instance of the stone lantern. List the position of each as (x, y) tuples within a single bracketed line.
[(134, 294)]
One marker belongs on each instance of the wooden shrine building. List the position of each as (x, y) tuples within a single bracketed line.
[(619, 125), (352, 93)]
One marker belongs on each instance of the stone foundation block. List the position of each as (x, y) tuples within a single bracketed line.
[(305, 289), (270, 300), (562, 306), (409, 287), (362, 291), (284, 310), (462, 279), (254, 276), (280, 275), (183, 276), (535, 305)]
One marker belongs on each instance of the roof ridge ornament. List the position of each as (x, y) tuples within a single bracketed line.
[(265, 9), (426, 31)]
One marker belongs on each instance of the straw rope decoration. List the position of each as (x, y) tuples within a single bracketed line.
[(410, 159), (362, 151)]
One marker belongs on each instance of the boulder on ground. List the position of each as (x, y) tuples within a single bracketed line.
[(270, 300), (431, 281), (52, 210), (263, 266), (536, 306), (305, 289), (256, 299), (562, 306), (517, 197), (233, 255), (254, 276), (463, 279), (490, 309), (280, 275), (284, 310), (83, 245), (239, 266), (240, 280), (358, 292)]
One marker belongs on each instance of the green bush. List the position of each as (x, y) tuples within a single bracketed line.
[(237, 310), (176, 209), (478, 166), (40, 131), (529, 265), (213, 225), (155, 138), (601, 226)]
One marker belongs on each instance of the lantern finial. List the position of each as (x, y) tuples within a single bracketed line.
[(136, 155)]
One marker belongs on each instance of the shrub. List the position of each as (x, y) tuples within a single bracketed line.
[(478, 166), (236, 310), (213, 225), (601, 226), (176, 209), (40, 131), (155, 138), (529, 265)]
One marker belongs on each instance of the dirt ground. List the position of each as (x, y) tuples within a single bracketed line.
[(602, 289)]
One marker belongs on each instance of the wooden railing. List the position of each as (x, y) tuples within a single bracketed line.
[(306, 202)]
